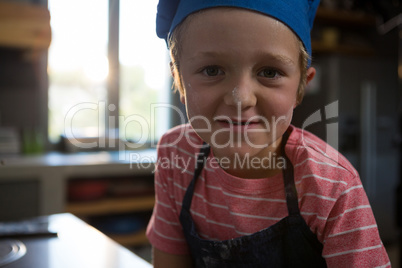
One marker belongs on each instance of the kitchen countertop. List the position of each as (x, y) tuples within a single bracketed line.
[(51, 172), (54, 159), (77, 244)]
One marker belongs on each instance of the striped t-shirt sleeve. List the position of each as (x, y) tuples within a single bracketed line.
[(351, 233)]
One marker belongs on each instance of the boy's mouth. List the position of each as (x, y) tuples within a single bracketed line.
[(239, 123), (235, 122)]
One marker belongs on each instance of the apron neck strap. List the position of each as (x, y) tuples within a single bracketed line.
[(201, 159), (288, 176)]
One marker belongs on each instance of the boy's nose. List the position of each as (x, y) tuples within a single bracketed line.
[(242, 95)]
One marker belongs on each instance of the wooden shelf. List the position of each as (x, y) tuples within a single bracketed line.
[(321, 47), (111, 206), (334, 28), (345, 18), (116, 206), (135, 239), (24, 25)]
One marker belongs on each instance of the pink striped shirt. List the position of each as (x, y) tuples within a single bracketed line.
[(331, 199)]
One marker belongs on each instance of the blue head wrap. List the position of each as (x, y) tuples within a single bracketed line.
[(298, 15)]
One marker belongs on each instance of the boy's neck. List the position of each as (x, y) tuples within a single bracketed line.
[(265, 165)]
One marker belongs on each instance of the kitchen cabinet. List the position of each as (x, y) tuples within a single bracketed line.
[(25, 36), (51, 174), (24, 25)]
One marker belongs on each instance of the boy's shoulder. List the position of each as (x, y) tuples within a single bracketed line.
[(307, 150)]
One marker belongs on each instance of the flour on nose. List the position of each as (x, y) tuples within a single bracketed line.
[(235, 95)]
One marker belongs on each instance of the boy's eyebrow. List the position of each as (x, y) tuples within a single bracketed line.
[(259, 54), (278, 57)]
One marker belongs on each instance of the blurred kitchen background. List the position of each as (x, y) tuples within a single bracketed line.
[(85, 93)]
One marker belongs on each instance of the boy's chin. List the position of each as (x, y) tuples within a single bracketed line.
[(241, 150)]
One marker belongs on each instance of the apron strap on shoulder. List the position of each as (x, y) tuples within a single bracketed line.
[(201, 159), (288, 176)]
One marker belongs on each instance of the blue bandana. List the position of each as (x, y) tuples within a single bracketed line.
[(298, 15)]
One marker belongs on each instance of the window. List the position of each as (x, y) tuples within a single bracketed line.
[(81, 98), (144, 72)]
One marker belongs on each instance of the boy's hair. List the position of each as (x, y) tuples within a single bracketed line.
[(174, 44)]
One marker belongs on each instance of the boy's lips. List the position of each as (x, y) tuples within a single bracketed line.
[(238, 123)]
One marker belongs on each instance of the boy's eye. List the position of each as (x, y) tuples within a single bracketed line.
[(212, 71), (268, 73)]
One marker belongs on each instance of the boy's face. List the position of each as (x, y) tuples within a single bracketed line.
[(240, 74)]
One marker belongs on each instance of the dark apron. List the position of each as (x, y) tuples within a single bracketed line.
[(288, 243)]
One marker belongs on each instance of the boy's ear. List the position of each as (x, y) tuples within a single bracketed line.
[(310, 74), (172, 72), (171, 69), (182, 98)]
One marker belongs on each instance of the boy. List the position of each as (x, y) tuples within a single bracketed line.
[(239, 186)]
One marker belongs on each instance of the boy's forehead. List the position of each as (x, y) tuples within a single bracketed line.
[(215, 34), (212, 19)]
